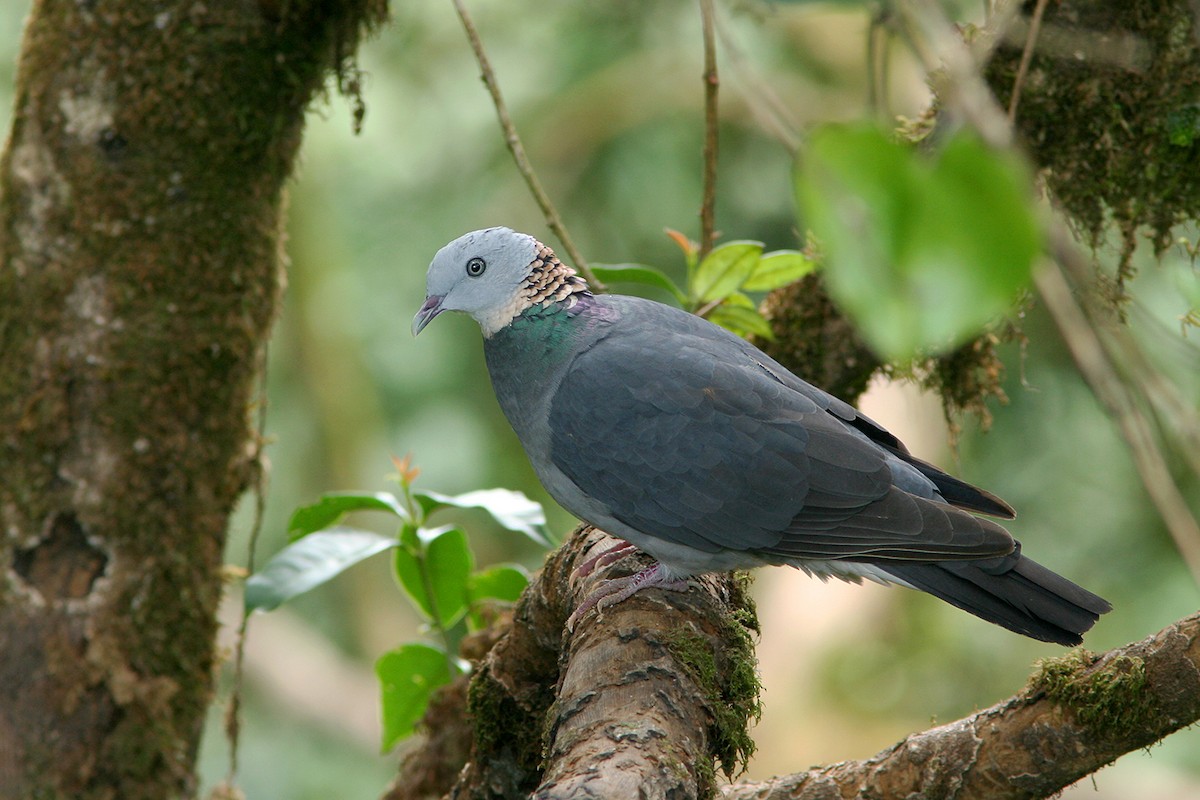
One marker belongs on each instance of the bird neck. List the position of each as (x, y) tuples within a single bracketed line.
[(542, 334), (549, 280), (549, 287)]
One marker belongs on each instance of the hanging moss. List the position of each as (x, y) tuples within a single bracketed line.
[(966, 379), (1110, 108), (815, 340)]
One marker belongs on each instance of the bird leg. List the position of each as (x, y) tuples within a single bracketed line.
[(602, 559), (615, 590)]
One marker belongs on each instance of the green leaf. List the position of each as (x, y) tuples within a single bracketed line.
[(408, 677), (440, 569), (513, 510), (501, 582), (333, 505), (640, 274), (922, 252), (778, 269), (310, 562), (725, 269), (741, 320)]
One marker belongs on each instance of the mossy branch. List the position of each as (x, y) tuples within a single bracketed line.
[(658, 691), (1078, 713)]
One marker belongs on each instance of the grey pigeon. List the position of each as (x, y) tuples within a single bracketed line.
[(697, 448)]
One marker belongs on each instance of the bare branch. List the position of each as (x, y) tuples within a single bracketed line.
[(1078, 714), (513, 140), (1096, 365), (711, 84), (1035, 25), (762, 100)]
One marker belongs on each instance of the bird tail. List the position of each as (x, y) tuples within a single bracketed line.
[(1013, 591)]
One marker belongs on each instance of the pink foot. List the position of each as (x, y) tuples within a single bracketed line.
[(614, 591), (602, 559)]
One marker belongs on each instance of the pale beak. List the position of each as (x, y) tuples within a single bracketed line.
[(431, 308)]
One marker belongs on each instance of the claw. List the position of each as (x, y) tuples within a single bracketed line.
[(602, 559), (614, 591)]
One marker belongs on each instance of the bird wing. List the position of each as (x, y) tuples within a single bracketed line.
[(953, 490), (682, 435)]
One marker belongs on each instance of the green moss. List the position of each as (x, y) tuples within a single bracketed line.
[(1109, 701), (815, 340), (966, 379), (728, 677), (496, 722), (484, 702), (153, 143), (1108, 108)]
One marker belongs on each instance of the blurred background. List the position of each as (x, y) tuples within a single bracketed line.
[(608, 99)]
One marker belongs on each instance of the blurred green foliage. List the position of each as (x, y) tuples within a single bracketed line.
[(899, 226), (607, 96)]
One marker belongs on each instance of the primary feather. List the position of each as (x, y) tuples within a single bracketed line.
[(699, 449)]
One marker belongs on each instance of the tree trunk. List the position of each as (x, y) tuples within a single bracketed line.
[(140, 234)]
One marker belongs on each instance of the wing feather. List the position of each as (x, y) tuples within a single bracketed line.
[(685, 437)]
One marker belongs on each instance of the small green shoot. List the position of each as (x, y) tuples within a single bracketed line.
[(434, 566), (716, 285)]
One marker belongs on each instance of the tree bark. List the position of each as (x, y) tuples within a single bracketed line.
[(629, 710), (1078, 714), (140, 233), (637, 701)]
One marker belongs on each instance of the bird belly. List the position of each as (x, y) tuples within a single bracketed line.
[(850, 571)]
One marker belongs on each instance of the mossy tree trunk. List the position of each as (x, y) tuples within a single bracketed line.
[(141, 198)]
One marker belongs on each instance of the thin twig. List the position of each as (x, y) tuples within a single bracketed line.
[(1035, 25), (233, 723), (965, 93), (711, 84), (553, 220), (772, 113), (878, 42), (872, 62), (1095, 365)]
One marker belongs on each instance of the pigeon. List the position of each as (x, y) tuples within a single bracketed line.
[(693, 446)]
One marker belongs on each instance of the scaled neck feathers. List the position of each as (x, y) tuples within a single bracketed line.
[(549, 282)]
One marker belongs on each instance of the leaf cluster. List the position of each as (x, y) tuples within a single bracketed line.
[(717, 284), (433, 566)]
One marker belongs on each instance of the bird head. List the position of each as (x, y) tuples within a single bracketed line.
[(494, 275), (479, 273)]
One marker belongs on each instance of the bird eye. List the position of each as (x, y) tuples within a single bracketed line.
[(475, 267)]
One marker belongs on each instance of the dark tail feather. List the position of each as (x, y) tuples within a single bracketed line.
[(960, 493), (1014, 591)]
